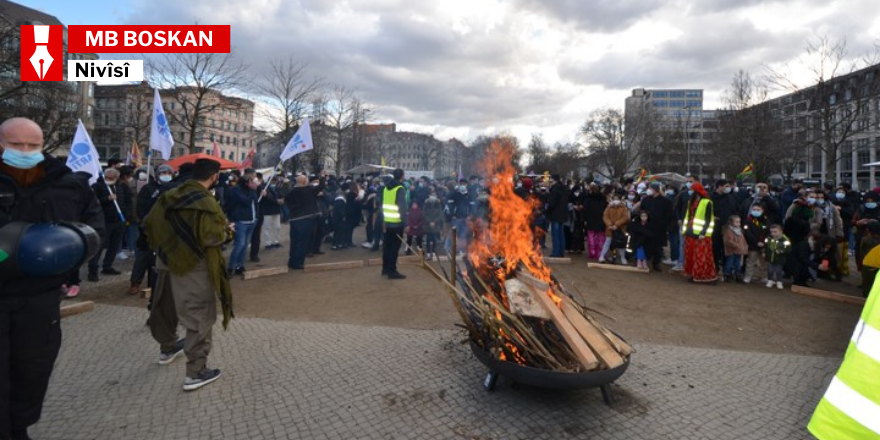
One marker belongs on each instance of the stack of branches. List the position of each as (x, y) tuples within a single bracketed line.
[(518, 318)]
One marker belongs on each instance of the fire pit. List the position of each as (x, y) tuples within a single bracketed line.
[(521, 321)]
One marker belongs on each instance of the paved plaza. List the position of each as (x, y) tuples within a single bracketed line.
[(292, 380)]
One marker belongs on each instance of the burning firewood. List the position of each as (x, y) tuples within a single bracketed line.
[(509, 300)]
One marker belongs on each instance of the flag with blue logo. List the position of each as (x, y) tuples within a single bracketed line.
[(301, 141), (83, 155), (160, 132)]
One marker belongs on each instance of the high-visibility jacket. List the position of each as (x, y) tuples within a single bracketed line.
[(390, 210), (850, 409), (701, 222)]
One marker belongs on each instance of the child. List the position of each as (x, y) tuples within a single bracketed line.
[(777, 248), (338, 221), (433, 223), (755, 230), (640, 233), (827, 259), (616, 217), (870, 263), (414, 227), (735, 247)]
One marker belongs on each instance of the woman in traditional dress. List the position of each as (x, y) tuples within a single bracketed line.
[(698, 226)]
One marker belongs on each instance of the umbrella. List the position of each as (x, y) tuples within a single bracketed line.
[(191, 158), (670, 177), (363, 169)]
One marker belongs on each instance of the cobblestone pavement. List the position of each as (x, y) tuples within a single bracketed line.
[(290, 380)]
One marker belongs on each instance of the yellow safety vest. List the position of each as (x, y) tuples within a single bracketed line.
[(699, 219), (850, 409), (390, 210)]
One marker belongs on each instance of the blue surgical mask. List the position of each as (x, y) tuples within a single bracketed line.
[(841, 196), (811, 200), (165, 178), (757, 214), (22, 160), (727, 190), (690, 191), (688, 185), (871, 205), (820, 202), (670, 193)]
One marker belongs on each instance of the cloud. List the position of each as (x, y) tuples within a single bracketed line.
[(468, 66)]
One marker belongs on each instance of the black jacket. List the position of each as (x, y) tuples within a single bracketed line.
[(725, 205), (771, 208), (595, 209), (557, 206), (269, 204), (61, 196), (123, 198), (661, 215), (302, 201), (640, 235), (146, 198)]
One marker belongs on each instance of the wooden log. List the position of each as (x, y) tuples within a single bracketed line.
[(619, 344), (597, 341), (146, 293), (373, 262), (557, 260), (824, 294), (259, 273), (77, 308), (617, 267), (334, 266), (569, 333)]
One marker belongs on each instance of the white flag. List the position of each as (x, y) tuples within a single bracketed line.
[(83, 155), (160, 133), (301, 141)]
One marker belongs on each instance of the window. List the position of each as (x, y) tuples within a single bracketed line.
[(222, 154), (182, 137), (817, 160), (172, 105), (676, 94), (864, 151), (660, 94), (211, 137), (846, 152), (676, 103), (847, 95), (694, 103), (694, 94), (832, 99), (92, 90), (661, 104)]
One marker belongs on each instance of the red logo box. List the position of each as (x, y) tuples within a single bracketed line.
[(42, 53)]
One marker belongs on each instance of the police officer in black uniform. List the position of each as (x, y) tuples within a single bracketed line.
[(34, 188)]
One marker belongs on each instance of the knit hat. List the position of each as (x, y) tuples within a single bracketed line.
[(527, 183), (656, 186), (164, 168)]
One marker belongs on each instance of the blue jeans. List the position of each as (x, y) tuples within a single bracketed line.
[(732, 264), (558, 234), (674, 238), (300, 237), (243, 233)]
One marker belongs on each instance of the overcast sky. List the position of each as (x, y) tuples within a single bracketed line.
[(468, 67)]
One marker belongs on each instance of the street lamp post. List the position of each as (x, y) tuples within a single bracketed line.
[(684, 133)]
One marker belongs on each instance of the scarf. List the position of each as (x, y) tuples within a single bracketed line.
[(187, 226), (737, 231), (25, 178)]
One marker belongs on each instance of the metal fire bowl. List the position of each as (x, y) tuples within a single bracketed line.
[(549, 379)]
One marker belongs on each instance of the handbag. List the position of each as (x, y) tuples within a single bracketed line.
[(619, 239)]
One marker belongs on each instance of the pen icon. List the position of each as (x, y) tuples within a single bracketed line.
[(41, 60)]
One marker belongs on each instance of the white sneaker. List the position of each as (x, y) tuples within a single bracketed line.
[(624, 262), (747, 280), (677, 268), (668, 262), (366, 245), (601, 261), (770, 284), (779, 285), (121, 255)]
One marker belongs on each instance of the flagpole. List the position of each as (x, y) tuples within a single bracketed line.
[(115, 202), (149, 163)]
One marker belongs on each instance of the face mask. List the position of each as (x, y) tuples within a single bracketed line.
[(688, 185), (518, 185), (690, 192), (773, 193), (142, 176), (811, 200), (644, 218), (577, 193), (649, 192), (361, 193), (615, 202), (22, 160), (757, 214), (670, 193), (315, 184), (841, 196), (630, 197), (820, 202), (462, 189), (871, 205), (110, 182), (165, 178), (736, 190), (727, 190)]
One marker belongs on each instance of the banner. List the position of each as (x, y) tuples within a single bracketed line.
[(135, 154), (300, 142), (160, 131), (83, 155)]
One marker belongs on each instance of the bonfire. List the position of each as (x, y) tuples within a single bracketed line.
[(508, 299)]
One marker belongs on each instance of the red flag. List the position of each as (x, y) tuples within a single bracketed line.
[(248, 161), (216, 150)]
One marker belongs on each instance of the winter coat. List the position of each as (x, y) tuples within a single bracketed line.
[(61, 195), (338, 212), (595, 210), (724, 206), (458, 206), (269, 204), (777, 250), (615, 216), (557, 205), (433, 213), (416, 222), (640, 234), (734, 244), (756, 231), (661, 213), (241, 204), (771, 208), (832, 223)]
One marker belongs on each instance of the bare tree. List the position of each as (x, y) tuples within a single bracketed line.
[(539, 154), (343, 110), (194, 81), (838, 107), (288, 92), (614, 156), (747, 131)]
